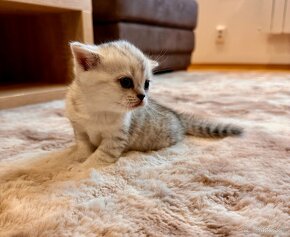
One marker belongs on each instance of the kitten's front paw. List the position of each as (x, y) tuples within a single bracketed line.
[(75, 168), (80, 152), (94, 163), (80, 155)]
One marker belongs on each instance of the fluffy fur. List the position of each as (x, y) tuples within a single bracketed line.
[(198, 187), (109, 119)]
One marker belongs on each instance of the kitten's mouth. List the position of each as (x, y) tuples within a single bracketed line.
[(141, 103)]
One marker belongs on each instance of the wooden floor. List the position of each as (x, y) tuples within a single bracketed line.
[(239, 67), (13, 96)]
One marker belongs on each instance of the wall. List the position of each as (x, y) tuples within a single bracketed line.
[(245, 38)]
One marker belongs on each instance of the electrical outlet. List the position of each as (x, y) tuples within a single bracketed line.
[(220, 34)]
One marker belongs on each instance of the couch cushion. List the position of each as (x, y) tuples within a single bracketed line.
[(172, 13), (151, 39)]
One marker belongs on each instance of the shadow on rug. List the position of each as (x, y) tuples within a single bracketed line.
[(199, 187)]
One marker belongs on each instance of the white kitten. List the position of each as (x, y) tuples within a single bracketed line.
[(110, 111)]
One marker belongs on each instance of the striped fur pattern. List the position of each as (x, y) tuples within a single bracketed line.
[(201, 127), (110, 117)]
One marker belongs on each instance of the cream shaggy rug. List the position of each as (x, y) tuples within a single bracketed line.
[(199, 187)]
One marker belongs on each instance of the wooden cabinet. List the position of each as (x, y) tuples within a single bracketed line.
[(35, 59)]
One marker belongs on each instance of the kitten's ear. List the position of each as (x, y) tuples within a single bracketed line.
[(85, 58), (153, 63)]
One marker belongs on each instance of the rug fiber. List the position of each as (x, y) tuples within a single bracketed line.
[(199, 187)]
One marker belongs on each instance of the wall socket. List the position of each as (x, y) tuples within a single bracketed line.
[(220, 34)]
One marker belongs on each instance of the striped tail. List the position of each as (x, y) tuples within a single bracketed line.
[(200, 127)]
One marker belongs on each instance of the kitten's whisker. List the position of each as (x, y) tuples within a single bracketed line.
[(159, 57)]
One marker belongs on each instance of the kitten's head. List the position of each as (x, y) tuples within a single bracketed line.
[(113, 76)]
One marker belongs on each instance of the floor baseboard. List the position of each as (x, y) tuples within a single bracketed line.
[(240, 67)]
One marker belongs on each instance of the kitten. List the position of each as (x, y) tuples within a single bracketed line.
[(110, 110)]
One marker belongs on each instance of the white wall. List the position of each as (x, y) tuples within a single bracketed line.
[(245, 40)]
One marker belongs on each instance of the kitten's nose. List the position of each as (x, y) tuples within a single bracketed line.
[(141, 96)]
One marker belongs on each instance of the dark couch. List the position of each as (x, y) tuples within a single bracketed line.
[(163, 29)]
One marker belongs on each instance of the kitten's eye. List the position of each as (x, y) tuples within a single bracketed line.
[(146, 85), (126, 82)]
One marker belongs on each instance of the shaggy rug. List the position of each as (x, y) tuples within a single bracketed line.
[(199, 187)]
